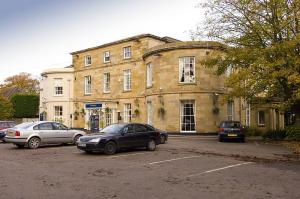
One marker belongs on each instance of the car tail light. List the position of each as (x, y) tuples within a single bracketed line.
[(221, 129), (17, 133)]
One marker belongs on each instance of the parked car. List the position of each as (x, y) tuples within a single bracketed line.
[(163, 134), (231, 130), (120, 136), (34, 134), (4, 125)]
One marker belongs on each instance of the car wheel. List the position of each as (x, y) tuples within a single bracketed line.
[(162, 139), (76, 138), (220, 139), (20, 146), (34, 142), (151, 145), (110, 148)]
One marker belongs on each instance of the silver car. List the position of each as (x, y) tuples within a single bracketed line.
[(34, 134)]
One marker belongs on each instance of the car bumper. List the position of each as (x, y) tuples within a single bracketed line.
[(232, 136), (15, 140), (93, 147)]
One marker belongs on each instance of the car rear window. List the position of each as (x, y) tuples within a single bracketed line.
[(231, 125), (24, 125), (4, 125)]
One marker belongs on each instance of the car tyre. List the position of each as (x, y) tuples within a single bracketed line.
[(162, 139), (151, 146), (34, 143), (243, 140), (110, 148), (76, 138), (220, 139)]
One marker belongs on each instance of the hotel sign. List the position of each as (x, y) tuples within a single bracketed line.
[(93, 106)]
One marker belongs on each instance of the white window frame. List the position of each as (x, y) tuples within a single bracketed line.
[(149, 75), (106, 82), (182, 107), (185, 64), (106, 54), (127, 113), (149, 113), (127, 80), (88, 60), (58, 113), (108, 117), (58, 88), (127, 52), (258, 118), (88, 85), (230, 110)]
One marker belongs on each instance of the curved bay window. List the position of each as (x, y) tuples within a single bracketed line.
[(187, 116)]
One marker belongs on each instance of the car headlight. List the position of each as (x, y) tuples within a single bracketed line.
[(95, 140)]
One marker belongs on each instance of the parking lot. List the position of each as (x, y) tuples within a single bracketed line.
[(185, 167)]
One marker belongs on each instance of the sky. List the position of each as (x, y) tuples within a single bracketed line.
[(40, 34)]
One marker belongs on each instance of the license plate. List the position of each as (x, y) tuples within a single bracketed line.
[(232, 135), (10, 133), (81, 144)]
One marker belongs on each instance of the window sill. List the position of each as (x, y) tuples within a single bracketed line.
[(87, 65), (188, 83), (87, 94), (127, 58), (126, 91), (106, 62), (58, 95), (106, 92), (261, 125), (149, 87)]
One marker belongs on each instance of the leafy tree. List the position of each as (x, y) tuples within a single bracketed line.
[(6, 109), (25, 105), (262, 46), (21, 83)]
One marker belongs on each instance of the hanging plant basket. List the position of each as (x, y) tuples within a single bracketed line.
[(161, 112), (215, 110), (136, 112)]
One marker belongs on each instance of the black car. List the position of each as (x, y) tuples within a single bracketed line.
[(163, 134), (231, 130), (120, 136)]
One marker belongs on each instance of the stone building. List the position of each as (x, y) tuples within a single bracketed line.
[(149, 79), (56, 95)]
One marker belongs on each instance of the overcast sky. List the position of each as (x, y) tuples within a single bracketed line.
[(40, 34)]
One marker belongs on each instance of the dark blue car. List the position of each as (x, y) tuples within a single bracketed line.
[(4, 125)]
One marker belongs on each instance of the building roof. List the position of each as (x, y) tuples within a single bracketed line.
[(67, 69), (137, 37), (184, 45)]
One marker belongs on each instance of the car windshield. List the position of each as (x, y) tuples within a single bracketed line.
[(114, 128), (231, 125)]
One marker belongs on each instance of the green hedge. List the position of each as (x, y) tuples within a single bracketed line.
[(25, 105), (293, 132), (275, 134)]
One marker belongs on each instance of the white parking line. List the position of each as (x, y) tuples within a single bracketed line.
[(222, 168), (131, 154), (175, 159)]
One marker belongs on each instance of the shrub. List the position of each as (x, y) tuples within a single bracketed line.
[(25, 105), (275, 134), (293, 132), (250, 131)]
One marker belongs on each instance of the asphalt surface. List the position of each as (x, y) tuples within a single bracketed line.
[(185, 167)]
